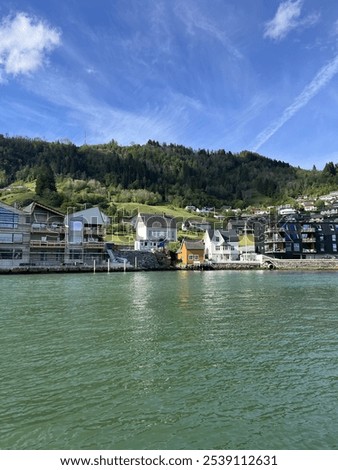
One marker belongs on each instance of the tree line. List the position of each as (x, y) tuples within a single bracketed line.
[(170, 173)]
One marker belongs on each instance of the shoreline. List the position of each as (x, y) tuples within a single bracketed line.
[(270, 265)]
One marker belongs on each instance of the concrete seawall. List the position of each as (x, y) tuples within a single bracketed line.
[(303, 264), (142, 261)]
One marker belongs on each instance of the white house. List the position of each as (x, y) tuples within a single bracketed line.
[(221, 246), (154, 231)]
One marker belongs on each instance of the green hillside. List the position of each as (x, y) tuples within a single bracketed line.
[(111, 175)]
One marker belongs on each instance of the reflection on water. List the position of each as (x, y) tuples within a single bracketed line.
[(178, 360)]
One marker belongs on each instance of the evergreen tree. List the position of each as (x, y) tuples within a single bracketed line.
[(45, 182)]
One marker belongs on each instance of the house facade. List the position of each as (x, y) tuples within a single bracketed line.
[(14, 236), (302, 239), (47, 235), (221, 246), (191, 253), (154, 231), (85, 232)]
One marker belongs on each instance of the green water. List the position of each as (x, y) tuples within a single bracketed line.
[(181, 360)]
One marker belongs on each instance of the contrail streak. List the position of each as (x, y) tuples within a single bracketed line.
[(324, 75)]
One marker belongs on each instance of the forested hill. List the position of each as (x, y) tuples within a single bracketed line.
[(176, 173)]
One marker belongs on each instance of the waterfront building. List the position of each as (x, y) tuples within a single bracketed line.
[(221, 246), (154, 231), (47, 235), (85, 231), (191, 253), (304, 239), (14, 236)]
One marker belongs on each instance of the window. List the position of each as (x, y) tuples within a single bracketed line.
[(218, 248), (190, 257), (334, 238), (17, 238), (296, 247), (334, 246), (216, 239), (6, 238), (6, 254), (331, 227), (196, 257), (8, 219)]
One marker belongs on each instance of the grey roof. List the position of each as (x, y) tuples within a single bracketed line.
[(11, 208), (191, 245), (229, 235), (30, 208), (153, 220), (92, 216)]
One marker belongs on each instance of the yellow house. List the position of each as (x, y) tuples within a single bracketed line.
[(191, 252)]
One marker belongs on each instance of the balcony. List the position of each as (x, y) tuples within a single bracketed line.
[(309, 240), (96, 245), (274, 240), (45, 228), (98, 231), (47, 244), (277, 250)]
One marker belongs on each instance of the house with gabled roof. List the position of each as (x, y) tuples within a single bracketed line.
[(191, 252), (47, 240), (85, 232), (221, 246), (154, 231)]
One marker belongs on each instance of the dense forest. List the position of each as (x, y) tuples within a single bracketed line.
[(161, 173)]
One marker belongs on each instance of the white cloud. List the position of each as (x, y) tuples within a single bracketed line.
[(322, 78), (287, 18), (102, 121), (24, 42), (194, 20)]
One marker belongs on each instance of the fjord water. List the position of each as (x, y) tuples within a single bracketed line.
[(169, 360)]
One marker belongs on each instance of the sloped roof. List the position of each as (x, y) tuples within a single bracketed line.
[(153, 220), (30, 208), (191, 245), (229, 235), (92, 216), (10, 208)]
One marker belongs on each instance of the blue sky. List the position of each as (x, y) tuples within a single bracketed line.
[(260, 75)]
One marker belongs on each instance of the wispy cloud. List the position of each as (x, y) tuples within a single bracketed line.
[(24, 42), (287, 18), (194, 20), (322, 78), (165, 122)]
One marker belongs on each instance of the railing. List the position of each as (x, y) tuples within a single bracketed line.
[(47, 228), (49, 244), (273, 240), (93, 244), (94, 231)]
